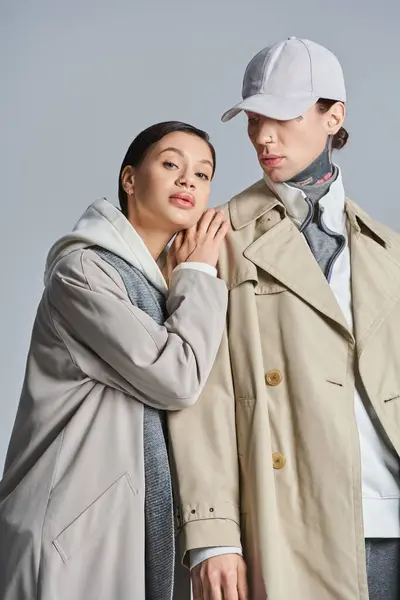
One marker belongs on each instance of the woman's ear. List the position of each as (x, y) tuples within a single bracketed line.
[(128, 180)]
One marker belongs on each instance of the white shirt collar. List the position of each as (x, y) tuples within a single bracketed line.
[(293, 198)]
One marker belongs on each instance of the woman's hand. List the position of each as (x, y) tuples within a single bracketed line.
[(202, 242)]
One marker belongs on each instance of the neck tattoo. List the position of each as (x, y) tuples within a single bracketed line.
[(320, 170)]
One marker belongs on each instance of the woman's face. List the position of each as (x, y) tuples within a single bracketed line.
[(171, 187)]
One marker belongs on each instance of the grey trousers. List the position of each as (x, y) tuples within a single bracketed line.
[(383, 568)]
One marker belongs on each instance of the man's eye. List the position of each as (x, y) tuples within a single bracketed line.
[(203, 176)]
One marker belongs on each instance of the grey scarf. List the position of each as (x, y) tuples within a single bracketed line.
[(159, 517)]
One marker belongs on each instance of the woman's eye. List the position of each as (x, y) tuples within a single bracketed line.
[(203, 176), (169, 165)]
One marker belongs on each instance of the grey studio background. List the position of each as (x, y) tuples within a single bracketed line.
[(79, 79)]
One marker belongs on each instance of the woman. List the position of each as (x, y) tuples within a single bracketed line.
[(85, 503)]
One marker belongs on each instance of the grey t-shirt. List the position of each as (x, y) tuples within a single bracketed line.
[(325, 244)]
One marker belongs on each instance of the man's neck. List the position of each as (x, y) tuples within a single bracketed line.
[(319, 171)]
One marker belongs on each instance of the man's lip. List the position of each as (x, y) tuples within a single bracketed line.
[(271, 160), (187, 197), (269, 156)]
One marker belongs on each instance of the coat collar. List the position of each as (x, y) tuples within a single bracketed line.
[(361, 222), (257, 200), (297, 207), (375, 273), (266, 247), (253, 203)]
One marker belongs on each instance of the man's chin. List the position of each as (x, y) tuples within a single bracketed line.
[(275, 175)]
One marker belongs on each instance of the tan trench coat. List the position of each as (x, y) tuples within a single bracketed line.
[(269, 456), (72, 496)]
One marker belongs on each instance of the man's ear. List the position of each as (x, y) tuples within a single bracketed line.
[(335, 117)]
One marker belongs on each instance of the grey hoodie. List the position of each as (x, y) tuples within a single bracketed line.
[(103, 224)]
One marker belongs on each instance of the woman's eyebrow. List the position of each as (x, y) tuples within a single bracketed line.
[(171, 149)]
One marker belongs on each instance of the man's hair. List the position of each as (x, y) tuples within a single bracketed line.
[(143, 142), (340, 138)]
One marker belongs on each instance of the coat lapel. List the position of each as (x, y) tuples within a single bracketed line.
[(280, 250), (274, 244), (284, 253), (375, 267)]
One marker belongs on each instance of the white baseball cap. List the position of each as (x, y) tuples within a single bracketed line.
[(283, 81)]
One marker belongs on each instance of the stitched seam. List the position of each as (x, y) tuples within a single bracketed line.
[(239, 279), (246, 401), (311, 73), (101, 525), (210, 519), (128, 307), (375, 324), (218, 281), (58, 332), (188, 505), (193, 274), (47, 506)]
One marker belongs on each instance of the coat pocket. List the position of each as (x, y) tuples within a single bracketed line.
[(94, 518)]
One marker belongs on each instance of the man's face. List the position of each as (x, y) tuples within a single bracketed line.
[(285, 148)]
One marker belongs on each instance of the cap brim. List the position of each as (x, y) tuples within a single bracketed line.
[(282, 108)]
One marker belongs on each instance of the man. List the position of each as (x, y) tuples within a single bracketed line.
[(291, 455)]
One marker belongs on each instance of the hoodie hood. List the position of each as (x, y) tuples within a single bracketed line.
[(103, 224)]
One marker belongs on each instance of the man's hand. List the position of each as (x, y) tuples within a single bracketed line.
[(221, 577)]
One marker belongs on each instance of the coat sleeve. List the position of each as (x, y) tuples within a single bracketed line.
[(165, 366), (205, 461)]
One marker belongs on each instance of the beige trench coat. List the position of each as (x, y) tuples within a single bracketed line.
[(72, 496), (269, 456)]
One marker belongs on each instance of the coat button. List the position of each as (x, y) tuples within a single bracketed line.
[(278, 460), (273, 377)]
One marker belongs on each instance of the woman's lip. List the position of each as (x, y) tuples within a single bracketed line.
[(184, 196), (186, 201)]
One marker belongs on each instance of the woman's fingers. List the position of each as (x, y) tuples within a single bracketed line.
[(202, 242), (178, 241), (204, 223), (222, 231), (215, 224)]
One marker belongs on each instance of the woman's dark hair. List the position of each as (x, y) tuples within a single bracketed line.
[(340, 138), (143, 142)]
